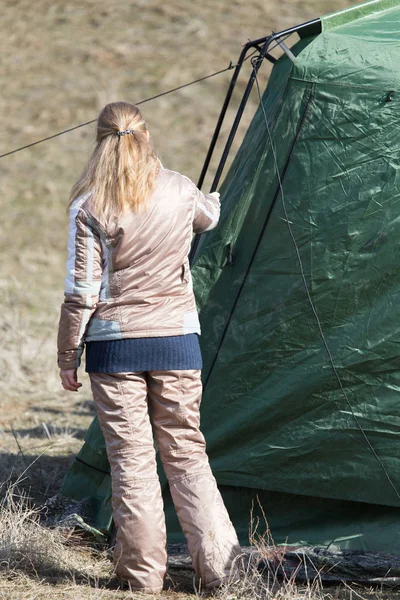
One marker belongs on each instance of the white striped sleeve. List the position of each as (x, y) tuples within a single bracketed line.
[(82, 287), (206, 211)]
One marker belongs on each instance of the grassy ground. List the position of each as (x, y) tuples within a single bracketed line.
[(41, 563), (61, 62)]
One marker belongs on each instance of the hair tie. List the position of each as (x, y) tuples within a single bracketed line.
[(119, 133)]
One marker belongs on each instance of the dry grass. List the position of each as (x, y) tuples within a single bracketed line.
[(29, 547), (37, 563), (33, 559)]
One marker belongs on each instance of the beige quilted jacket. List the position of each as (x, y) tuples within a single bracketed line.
[(129, 277)]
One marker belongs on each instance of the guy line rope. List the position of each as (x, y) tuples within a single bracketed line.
[(180, 87)]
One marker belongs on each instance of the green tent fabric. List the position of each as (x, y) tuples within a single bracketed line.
[(325, 467)]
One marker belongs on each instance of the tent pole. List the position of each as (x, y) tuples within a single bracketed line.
[(251, 44), (242, 58), (258, 61), (256, 66), (222, 115), (263, 53)]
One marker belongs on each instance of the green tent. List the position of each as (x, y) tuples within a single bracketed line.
[(315, 439)]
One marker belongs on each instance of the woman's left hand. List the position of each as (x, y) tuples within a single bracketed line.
[(69, 379)]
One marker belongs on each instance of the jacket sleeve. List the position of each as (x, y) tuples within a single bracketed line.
[(206, 211), (82, 288)]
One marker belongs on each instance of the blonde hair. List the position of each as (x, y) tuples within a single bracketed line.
[(122, 169)]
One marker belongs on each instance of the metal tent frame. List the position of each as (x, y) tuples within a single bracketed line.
[(260, 48)]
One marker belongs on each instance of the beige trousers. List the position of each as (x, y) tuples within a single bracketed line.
[(131, 407)]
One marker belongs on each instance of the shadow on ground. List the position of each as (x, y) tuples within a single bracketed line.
[(39, 476)]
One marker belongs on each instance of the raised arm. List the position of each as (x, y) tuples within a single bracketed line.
[(206, 212), (82, 287)]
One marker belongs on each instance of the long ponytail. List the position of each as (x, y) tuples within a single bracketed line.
[(123, 167)]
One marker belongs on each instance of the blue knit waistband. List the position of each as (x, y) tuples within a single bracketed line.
[(171, 353)]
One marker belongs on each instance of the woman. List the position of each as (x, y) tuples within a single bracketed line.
[(129, 298)]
